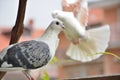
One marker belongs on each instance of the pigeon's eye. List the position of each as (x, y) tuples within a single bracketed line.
[(57, 23)]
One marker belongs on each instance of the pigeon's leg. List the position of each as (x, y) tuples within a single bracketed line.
[(26, 72)]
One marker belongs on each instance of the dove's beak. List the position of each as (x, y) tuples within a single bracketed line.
[(54, 15)]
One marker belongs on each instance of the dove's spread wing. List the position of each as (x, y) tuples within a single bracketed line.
[(28, 55), (83, 12)]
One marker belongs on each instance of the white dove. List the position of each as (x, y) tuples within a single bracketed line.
[(32, 54), (84, 43)]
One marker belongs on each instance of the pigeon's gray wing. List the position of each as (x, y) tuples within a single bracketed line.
[(29, 55)]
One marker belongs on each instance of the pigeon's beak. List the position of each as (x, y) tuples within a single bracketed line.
[(63, 26)]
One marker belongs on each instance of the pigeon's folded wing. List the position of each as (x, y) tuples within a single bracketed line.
[(28, 55)]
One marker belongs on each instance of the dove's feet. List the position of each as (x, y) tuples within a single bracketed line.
[(76, 41)]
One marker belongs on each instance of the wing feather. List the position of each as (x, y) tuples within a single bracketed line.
[(82, 15), (29, 55)]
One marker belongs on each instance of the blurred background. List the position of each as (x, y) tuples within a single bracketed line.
[(38, 16)]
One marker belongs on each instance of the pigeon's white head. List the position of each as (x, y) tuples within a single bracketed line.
[(57, 24), (61, 15)]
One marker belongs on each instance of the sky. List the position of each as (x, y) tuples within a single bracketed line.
[(38, 10)]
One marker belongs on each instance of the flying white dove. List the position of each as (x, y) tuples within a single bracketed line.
[(84, 43), (32, 54)]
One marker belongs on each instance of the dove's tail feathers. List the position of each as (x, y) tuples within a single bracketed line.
[(87, 49)]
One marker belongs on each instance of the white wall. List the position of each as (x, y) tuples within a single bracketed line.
[(39, 10)]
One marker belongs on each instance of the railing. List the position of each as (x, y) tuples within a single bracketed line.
[(103, 77)]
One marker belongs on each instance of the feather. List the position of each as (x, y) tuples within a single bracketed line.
[(32, 54), (82, 14), (87, 49), (84, 43)]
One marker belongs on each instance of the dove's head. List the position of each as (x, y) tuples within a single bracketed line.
[(57, 13), (61, 15)]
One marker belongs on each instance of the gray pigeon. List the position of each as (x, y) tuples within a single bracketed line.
[(32, 54)]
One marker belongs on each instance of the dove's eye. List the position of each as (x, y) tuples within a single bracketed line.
[(57, 23)]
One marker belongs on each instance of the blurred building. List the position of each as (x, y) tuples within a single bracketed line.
[(29, 33), (100, 12)]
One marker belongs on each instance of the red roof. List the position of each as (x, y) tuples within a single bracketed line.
[(4, 41)]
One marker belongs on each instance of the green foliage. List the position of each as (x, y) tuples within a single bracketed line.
[(46, 76), (109, 53), (53, 60), (45, 73)]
